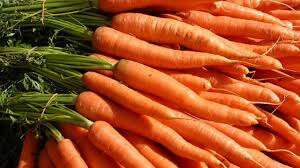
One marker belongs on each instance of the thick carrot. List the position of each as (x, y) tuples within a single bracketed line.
[(265, 160), (64, 154), (125, 96), (156, 155), (93, 157), (182, 162), (267, 5), (292, 121), (173, 5), (292, 85), (286, 14), (227, 26), (149, 80), (170, 31), (247, 3), (126, 46), (288, 159), (223, 8), (233, 101), (107, 139), (107, 59), (29, 151), (291, 63), (44, 160), (235, 71), (100, 109), (248, 91)]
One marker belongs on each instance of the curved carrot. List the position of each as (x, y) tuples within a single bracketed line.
[(227, 26), (292, 121), (126, 46), (100, 109), (157, 156), (107, 59), (170, 31), (235, 71), (149, 80), (93, 157), (64, 154), (286, 14), (44, 160), (292, 85), (233, 101), (288, 159), (29, 151), (129, 98), (183, 162)]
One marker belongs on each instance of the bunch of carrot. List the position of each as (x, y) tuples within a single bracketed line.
[(197, 84)]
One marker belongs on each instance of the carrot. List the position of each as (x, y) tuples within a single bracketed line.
[(107, 139), (247, 3), (235, 71), (174, 5), (292, 121), (281, 92), (227, 26), (223, 8), (286, 14), (266, 5), (107, 59), (291, 63), (295, 24), (64, 154), (149, 80), (288, 159), (232, 101), (182, 162), (265, 160), (100, 109), (44, 160), (170, 31), (93, 157), (126, 46), (266, 75), (292, 85), (156, 155), (248, 91), (129, 98), (29, 151)]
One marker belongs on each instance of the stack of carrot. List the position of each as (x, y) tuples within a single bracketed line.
[(194, 84)]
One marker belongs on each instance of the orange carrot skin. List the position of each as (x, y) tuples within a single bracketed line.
[(265, 160), (107, 139), (44, 160), (292, 85), (107, 59), (247, 3), (293, 122), (125, 46), (182, 162), (286, 14), (288, 159), (156, 155), (93, 157), (29, 151), (295, 23), (144, 125), (170, 31), (236, 71), (178, 93), (130, 98)]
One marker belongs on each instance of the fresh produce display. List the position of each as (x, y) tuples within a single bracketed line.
[(150, 84)]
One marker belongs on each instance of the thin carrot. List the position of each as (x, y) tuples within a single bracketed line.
[(266, 75), (227, 26), (265, 160), (107, 59), (156, 155), (64, 154), (170, 31), (100, 109), (292, 121), (225, 8), (292, 85), (106, 138), (235, 71), (130, 98), (286, 14), (232, 101), (126, 46), (247, 3), (93, 157), (288, 159), (267, 5), (248, 91), (149, 80), (44, 160), (29, 151), (295, 24)]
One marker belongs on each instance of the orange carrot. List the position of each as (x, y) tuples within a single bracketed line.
[(224, 8), (129, 98), (44, 160), (248, 91), (107, 139), (107, 59), (173, 5), (126, 46), (227, 26), (233, 101), (295, 24), (247, 3), (267, 5), (170, 31), (292, 85), (286, 14), (235, 71), (29, 151), (100, 109), (182, 162), (149, 80), (292, 121), (291, 63), (265, 160), (156, 155), (288, 159), (93, 157), (64, 154)]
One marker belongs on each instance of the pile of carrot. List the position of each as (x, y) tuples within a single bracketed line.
[(193, 84)]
